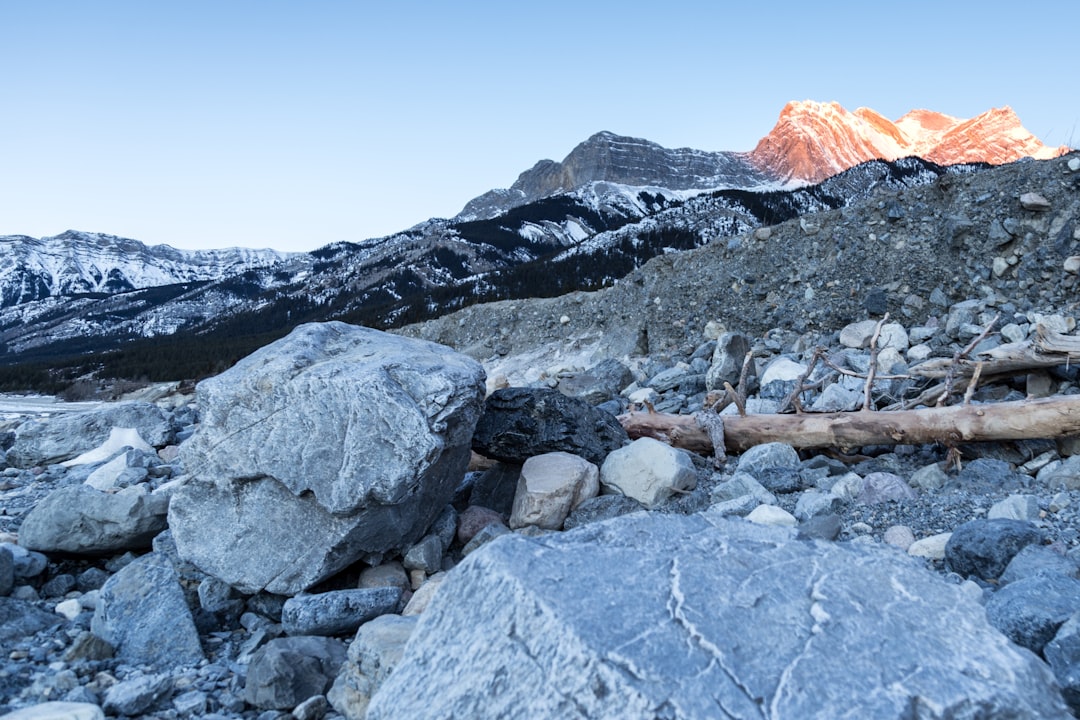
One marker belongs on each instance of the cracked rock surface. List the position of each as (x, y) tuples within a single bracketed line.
[(714, 618)]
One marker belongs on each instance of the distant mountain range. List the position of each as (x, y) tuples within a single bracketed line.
[(610, 205)]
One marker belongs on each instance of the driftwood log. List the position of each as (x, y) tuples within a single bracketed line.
[(1048, 418)]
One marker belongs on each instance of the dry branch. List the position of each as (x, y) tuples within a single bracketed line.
[(1021, 420)]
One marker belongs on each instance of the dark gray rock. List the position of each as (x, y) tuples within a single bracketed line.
[(134, 697), (485, 535), (445, 526), (425, 555), (287, 671), (7, 571), (1063, 654), (79, 519), (1038, 560), (820, 527), (767, 455), (92, 578), (334, 443), (598, 384), (982, 474), (19, 619), (716, 618), (28, 563), (779, 480), (495, 488), (62, 437), (58, 585), (143, 614), (727, 360), (338, 612), (983, 548), (1030, 611), (519, 423), (601, 507)]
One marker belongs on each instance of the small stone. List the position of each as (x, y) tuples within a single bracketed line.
[(550, 486), (764, 233), (1030, 611), (473, 519), (88, 646), (857, 335), (564, 320), (485, 535), (768, 455), (741, 485), (192, 702), (1034, 201), (931, 548), (1074, 164), (337, 612), (287, 671), (373, 654), (425, 555), (1015, 507), (133, 697), (314, 708), (70, 608), (420, 599), (389, 574), (899, 536), (648, 471), (772, 515), (1072, 264), (881, 487), (984, 547), (999, 266)]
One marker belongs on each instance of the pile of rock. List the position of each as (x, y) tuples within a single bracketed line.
[(320, 547)]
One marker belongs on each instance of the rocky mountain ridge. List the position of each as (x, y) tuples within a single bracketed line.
[(79, 263), (812, 141)]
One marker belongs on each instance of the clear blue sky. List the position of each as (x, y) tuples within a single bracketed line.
[(294, 124)]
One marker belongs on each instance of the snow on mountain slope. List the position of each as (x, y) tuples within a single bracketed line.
[(77, 263)]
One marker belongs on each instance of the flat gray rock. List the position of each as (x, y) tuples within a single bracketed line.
[(650, 616), (64, 436), (338, 612), (83, 520)]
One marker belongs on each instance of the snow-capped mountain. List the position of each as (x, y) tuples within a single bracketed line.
[(813, 141), (75, 263), (583, 223)]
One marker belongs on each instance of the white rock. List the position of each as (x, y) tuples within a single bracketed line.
[(782, 369), (420, 599), (999, 266), (648, 471), (847, 487), (887, 359), (899, 536), (857, 335), (550, 486), (105, 476), (932, 548), (70, 608), (893, 335), (1074, 164), (1034, 201), (1014, 333), (643, 395), (119, 438), (918, 353), (58, 711), (772, 515), (1015, 507), (1072, 264)]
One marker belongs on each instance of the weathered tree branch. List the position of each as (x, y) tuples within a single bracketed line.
[(1021, 420)]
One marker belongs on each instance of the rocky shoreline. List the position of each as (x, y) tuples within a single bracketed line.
[(308, 536)]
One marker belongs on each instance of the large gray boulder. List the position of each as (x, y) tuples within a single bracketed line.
[(697, 616), (83, 520), (42, 441), (329, 444)]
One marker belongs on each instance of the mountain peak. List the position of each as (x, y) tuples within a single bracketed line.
[(814, 140)]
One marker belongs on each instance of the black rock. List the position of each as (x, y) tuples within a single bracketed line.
[(519, 423), (983, 548), (820, 527), (495, 487), (1030, 611), (877, 302), (19, 619)]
